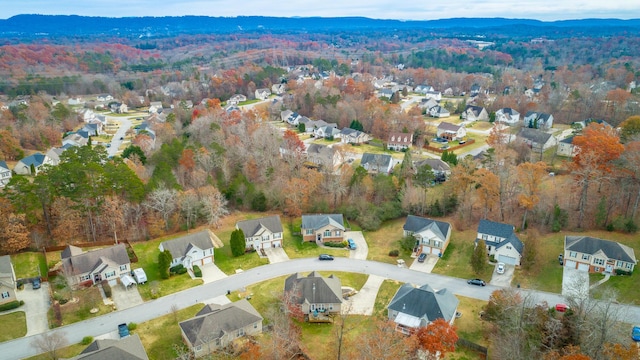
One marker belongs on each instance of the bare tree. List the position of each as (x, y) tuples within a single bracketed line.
[(49, 343), (164, 201), (214, 204)]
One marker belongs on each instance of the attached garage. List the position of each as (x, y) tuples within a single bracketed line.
[(207, 260), (583, 267), (277, 244), (266, 244), (570, 264), (507, 260)]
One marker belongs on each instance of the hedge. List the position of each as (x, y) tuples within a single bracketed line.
[(196, 271), (11, 305)]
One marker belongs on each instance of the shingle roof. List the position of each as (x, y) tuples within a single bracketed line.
[(314, 288), (476, 110), (36, 159), (448, 126), (91, 260), (316, 221), (424, 302), (568, 140), (381, 161), (534, 135), (591, 245), (252, 227), (418, 224), (212, 322), (129, 348), (3, 165), (435, 164), (6, 272), (180, 247), (495, 228)]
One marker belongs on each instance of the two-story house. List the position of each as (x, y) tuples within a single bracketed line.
[(432, 236), (377, 163), (475, 113), (262, 94), (399, 141), (414, 307), (595, 255), (262, 233), (192, 249), (450, 131), (501, 241), (5, 174), (538, 120), (322, 227), (32, 164), (508, 116), (318, 297), (7, 280), (85, 268)]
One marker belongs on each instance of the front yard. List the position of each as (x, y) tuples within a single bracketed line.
[(75, 305), (14, 325)]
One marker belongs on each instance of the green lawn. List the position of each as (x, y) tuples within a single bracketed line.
[(14, 325), (80, 303), (386, 292), (29, 264)]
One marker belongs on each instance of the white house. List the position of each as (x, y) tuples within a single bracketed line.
[(508, 116), (439, 111), (450, 131), (501, 241), (5, 174), (262, 233), (538, 120), (262, 94), (432, 236), (192, 249)]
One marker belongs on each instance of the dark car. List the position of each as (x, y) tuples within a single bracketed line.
[(123, 330), (478, 282), (325, 257), (36, 283), (560, 259), (422, 257)]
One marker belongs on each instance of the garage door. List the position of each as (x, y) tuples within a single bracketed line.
[(266, 245), (207, 260), (507, 259), (583, 267), (276, 244), (570, 264)]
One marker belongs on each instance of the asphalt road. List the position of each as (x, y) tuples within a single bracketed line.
[(125, 124), (21, 348)]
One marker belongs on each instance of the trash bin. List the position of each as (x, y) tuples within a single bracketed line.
[(518, 286)]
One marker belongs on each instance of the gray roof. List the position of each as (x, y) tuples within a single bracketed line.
[(509, 111), (591, 245), (129, 348), (534, 135), (6, 271), (314, 288), (213, 321), (538, 115), (448, 126), (435, 164), (476, 110), (70, 251), (495, 228), (90, 261), (252, 227), (181, 246), (424, 302), (418, 224), (568, 140), (316, 221), (381, 161)]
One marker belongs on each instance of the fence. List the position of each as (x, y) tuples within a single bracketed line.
[(452, 148), (473, 347)]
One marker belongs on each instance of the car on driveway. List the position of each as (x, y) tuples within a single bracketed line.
[(352, 244), (561, 307), (422, 257), (635, 333), (36, 283), (123, 330), (500, 268), (325, 257), (478, 282)]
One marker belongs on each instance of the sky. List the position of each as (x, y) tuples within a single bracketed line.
[(546, 10)]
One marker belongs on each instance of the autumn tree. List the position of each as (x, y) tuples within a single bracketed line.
[(382, 342), (14, 235), (238, 242), (50, 343), (530, 177), (213, 204), (488, 190), (479, 257), (436, 339), (164, 201)]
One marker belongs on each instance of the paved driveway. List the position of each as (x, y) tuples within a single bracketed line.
[(36, 305), (426, 266), (276, 255), (362, 249), (503, 279), (362, 302), (575, 283), (211, 273), (126, 298)]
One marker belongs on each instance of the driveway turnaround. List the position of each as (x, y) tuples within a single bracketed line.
[(276, 255), (362, 302), (36, 305), (426, 266), (503, 279), (126, 298), (362, 249)]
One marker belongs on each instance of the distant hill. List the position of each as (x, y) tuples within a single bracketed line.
[(73, 25)]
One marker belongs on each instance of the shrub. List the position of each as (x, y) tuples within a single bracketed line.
[(237, 242), (57, 313), (87, 340), (176, 269), (335, 244), (622, 272), (132, 326), (107, 288), (11, 305), (630, 226), (394, 252), (182, 271), (197, 272)]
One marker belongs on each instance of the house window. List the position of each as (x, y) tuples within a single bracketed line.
[(485, 237), (629, 266), (198, 348), (327, 233), (573, 254), (277, 235), (596, 269), (265, 237), (619, 264), (337, 232), (437, 243), (5, 294), (585, 257), (110, 274), (255, 326), (241, 332), (85, 277), (509, 247), (123, 267), (597, 261), (309, 232)]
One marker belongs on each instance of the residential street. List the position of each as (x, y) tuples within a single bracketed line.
[(21, 348)]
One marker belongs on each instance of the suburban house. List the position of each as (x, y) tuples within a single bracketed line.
[(127, 348), (54, 154), (450, 131), (439, 112), (475, 90), (85, 268), (318, 297), (262, 233), (432, 236), (322, 156), (423, 89), (33, 162), (322, 227), (351, 136), (236, 99), (501, 241), (104, 97), (5, 174), (278, 89), (215, 327), (538, 120), (192, 249), (399, 141), (118, 108), (155, 107), (78, 138), (427, 104), (262, 94), (475, 113), (327, 131), (7, 280), (508, 116), (566, 147), (595, 255), (291, 117), (377, 163), (435, 95), (386, 93), (537, 140), (93, 128), (413, 307), (438, 166)]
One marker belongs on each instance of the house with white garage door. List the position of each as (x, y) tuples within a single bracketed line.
[(501, 241), (192, 249), (595, 255), (262, 233)]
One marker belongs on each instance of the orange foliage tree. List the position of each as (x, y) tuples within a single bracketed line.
[(530, 177), (14, 235), (436, 339)]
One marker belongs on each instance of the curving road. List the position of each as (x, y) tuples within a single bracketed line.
[(21, 348)]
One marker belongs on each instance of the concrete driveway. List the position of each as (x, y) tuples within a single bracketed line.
[(276, 255), (210, 273), (362, 249), (362, 302), (575, 283), (126, 298), (504, 279), (36, 305), (426, 266)]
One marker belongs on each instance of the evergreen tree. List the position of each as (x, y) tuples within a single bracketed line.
[(164, 262), (237, 243), (479, 257), (356, 125)]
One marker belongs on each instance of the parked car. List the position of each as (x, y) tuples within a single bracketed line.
[(440, 140), (325, 257), (500, 268), (123, 330), (445, 147), (635, 333), (561, 259), (562, 307), (352, 244), (36, 283), (478, 282), (422, 257)]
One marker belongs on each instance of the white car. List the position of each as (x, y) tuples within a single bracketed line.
[(500, 268)]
